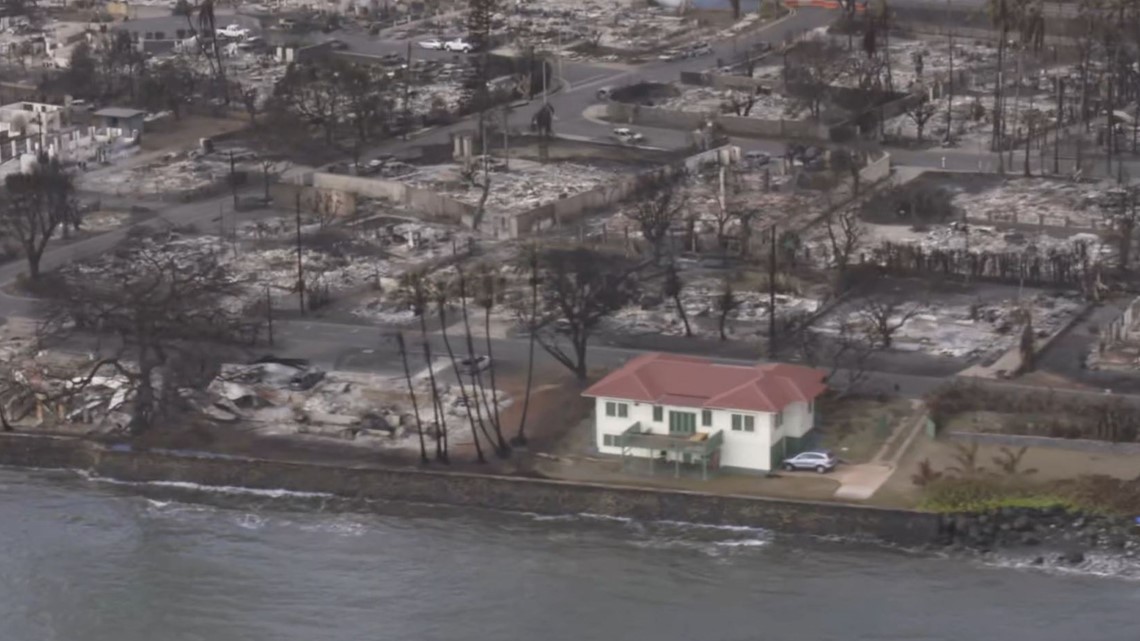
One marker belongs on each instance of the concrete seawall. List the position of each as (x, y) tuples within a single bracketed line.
[(496, 492)]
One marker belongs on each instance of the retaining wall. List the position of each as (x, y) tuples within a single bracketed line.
[(427, 204), (496, 492)]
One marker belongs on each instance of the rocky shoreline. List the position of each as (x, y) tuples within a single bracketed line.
[(1062, 536)]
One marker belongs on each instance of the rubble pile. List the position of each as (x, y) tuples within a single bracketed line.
[(613, 26), (971, 119), (772, 106), (655, 315), (525, 186), (780, 203), (1058, 203), (172, 173), (289, 397)]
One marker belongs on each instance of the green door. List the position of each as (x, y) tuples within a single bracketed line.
[(682, 422)]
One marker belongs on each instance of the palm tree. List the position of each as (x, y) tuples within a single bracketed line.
[(412, 393), (487, 287), (1002, 16), (478, 392), (414, 291), (207, 28), (441, 303), (528, 261)]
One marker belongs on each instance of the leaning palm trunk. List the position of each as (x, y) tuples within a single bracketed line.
[(412, 393), (503, 446), (476, 377), (520, 438), (436, 407), (462, 388)]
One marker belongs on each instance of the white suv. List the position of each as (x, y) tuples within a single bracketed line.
[(459, 45)]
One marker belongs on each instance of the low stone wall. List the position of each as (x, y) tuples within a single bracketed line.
[(496, 492), (630, 114), (428, 204)]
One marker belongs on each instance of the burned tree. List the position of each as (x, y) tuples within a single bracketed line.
[(810, 69), (168, 313), (844, 235), (673, 286), (35, 206), (657, 206), (726, 303), (920, 113), (884, 315), (580, 287)]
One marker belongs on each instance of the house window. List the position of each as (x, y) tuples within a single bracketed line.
[(181, 33), (682, 423), (779, 419), (608, 440), (658, 414), (160, 35), (611, 409), (743, 423), (623, 410), (706, 418)]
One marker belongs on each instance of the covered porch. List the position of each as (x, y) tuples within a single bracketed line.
[(696, 449)]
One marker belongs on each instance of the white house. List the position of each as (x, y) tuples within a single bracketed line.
[(686, 409)]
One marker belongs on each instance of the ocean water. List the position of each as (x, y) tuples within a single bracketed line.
[(88, 560)]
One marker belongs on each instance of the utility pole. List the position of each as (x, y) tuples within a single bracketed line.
[(949, 79), (233, 180), (772, 293), (300, 263), (1057, 132), (408, 93), (269, 313)]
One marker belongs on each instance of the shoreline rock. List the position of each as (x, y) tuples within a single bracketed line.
[(1053, 527)]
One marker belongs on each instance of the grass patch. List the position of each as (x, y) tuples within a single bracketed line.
[(1089, 494)]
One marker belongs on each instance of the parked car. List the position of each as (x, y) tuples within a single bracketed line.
[(233, 31), (821, 461), (434, 44), (757, 158), (472, 366), (458, 45), (700, 49), (627, 135), (671, 55)]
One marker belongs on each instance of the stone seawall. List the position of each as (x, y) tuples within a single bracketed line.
[(496, 492)]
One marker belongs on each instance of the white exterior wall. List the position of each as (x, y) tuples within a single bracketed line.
[(797, 420), (745, 450)]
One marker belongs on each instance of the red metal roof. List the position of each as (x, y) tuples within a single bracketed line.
[(689, 381)]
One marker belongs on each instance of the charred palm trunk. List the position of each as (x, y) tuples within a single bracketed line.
[(504, 447), (520, 438), (683, 315), (436, 407), (478, 393), (462, 388), (412, 393)]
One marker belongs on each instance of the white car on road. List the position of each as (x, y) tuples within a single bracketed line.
[(233, 31), (434, 44), (459, 44), (627, 135)]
